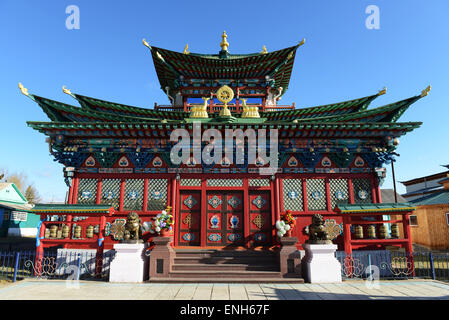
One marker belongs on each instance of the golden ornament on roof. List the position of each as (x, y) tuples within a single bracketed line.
[(65, 90), (264, 50), (302, 42), (145, 43), (23, 89), (426, 91), (186, 49), (225, 94), (383, 91), (224, 43)]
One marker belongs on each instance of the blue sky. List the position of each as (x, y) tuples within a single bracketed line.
[(105, 58)]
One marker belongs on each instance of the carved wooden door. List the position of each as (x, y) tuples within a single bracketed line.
[(260, 224), (224, 218), (189, 219)]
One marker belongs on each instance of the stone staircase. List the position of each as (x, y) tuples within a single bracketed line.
[(226, 265)]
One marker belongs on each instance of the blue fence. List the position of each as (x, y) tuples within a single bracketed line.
[(84, 265), (59, 264), (385, 264)]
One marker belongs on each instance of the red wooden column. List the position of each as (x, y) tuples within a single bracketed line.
[(122, 195), (70, 199), (69, 222), (174, 207), (407, 232), (246, 214), (350, 191), (304, 195), (203, 233), (145, 195), (328, 195), (100, 248), (39, 250), (347, 234), (274, 206), (99, 186), (75, 190)]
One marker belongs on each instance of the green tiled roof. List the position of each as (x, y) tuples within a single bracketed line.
[(374, 208), (339, 108), (121, 109), (70, 208), (388, 113), (170, 65), (441, 197), (62, 112)]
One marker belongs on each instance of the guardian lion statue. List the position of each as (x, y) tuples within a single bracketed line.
[(133, 228), (317, 231)]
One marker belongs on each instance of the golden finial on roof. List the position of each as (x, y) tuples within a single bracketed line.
[(426, 91), (264, 50), (302, 41), (186, 49), (383, 91), (224, 43), (23, 89), (65, 90), (145, 43)]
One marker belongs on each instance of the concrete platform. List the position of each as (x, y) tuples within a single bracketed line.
[(348, 290)]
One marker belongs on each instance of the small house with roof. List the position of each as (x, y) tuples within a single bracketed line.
[(430, 222), (15, 216)]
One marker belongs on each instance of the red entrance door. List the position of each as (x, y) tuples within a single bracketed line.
[(189, 219), (260, 224), (224, 218)]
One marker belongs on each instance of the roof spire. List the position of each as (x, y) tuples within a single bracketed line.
[(264, 50), (224, 43), (383, 91), (23, 89), (426, 91), (186, 49), (145, 43), (66, 91)]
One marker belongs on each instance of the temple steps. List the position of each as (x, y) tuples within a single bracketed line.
[(226, 266)]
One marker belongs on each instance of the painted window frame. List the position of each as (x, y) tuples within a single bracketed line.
[(410, 220)]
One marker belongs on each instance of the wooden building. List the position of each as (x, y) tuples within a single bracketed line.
[(430, 222)]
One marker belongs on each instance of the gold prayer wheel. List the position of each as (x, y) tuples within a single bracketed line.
[(90, 232), (59, 233), (53, 231), (65, 231), (371, 232), (383, 231), (359, 232), (47, 233), (78, 232), (395, 231)]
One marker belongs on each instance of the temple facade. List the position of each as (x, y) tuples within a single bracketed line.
[(327, 159)]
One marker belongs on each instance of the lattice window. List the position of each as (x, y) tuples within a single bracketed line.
[(225, 182), (293, 199), (157, 194), (259, 182), (110, 192), (362, 190), (133, 199), (316, 194), (87, 191), (339, 191), (191, 182)]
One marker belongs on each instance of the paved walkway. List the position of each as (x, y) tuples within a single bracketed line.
[(348, 290)]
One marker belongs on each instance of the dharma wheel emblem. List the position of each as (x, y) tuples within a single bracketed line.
[(225, 94), (363, 194)]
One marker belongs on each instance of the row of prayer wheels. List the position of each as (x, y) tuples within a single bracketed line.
[(371, 231), (63, 232)]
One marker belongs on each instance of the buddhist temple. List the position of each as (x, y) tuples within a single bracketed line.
[(330, 160)]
